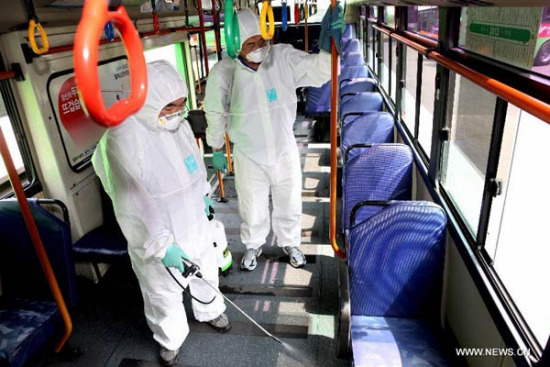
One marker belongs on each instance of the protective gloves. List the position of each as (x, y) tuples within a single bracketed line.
[(173, 257), (332, 25), (208, 205), (219, 161)]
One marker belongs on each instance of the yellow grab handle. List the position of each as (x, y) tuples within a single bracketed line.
[(45, 43), (267, 12)]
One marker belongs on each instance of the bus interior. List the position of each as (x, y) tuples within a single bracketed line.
[(426, 238)]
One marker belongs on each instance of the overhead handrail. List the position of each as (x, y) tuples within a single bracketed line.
[(231, 29), (333, 143), (86, 46), (284, 16), (36, 240), (267, 16), (296, 12), (34, 24), (302, 12)]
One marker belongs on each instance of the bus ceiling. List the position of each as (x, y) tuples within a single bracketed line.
[(458, 3), (54, 13)]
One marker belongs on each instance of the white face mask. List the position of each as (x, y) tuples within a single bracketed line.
[(172, 121), (259, 55)]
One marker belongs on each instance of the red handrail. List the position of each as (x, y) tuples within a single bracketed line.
[(36, 240), (333, 144), (94, 16)]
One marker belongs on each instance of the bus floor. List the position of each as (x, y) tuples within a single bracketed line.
[(297, 305)]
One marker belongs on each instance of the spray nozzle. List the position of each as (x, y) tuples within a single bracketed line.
[(190, 269)]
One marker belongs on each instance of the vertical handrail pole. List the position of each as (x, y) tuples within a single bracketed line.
[(217, 23), (203, 37), (333, 143), (228, 152), (36, 240)]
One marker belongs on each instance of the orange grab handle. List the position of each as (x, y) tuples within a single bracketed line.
[(86, 46)]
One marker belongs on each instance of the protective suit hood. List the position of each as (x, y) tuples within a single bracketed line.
[(165, 85), (249, 24)]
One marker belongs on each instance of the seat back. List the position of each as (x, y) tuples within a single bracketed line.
[(352, 59), (354, 105), (357, 85), (369, 128), (349, 32), (396, 261), (382, 172), (351, 45), (22, 275)]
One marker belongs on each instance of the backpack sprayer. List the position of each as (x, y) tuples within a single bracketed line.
[(192, 269)]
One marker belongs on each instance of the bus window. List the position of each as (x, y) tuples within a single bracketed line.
[(517, 240), (424, 20), (541, 61), (394, 60), (9, 135), (372, 47), (385, 72), (465, 154), (389, 16), (408, 99), (425, 121)]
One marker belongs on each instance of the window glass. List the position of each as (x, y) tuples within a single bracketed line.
[(385, 72), (424, 20), (394, 70), (372, 46), (408, 100), (375, 12), (465, 155), (519, 243), (11, 141), (425, 122), (389, 16), (517, 36)]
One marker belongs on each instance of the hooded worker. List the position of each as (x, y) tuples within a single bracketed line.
[(152, 169), (253, 98)]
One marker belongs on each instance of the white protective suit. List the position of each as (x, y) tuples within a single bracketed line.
[(156, 180), (258, 110)]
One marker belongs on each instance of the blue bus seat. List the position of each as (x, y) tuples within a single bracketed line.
[(351, 45), (104, 244), (382, 172), (26, 328), (358, 104), (352, 59), (22, 275), (395, 278), (349, 32), (318, 99), (357, 85), (29, 319), (369, 128)]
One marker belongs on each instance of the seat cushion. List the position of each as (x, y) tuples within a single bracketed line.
[(104, 241), (24, 328), (381, 341)]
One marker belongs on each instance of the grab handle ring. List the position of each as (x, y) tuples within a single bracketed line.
[(284, 16), (95, 15), (267, 12), (231, 29), (32, 40)]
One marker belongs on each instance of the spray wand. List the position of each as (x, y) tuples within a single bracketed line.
[(192, 269)]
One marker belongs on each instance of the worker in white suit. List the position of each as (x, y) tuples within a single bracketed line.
[(253, 99), (151, 168)]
